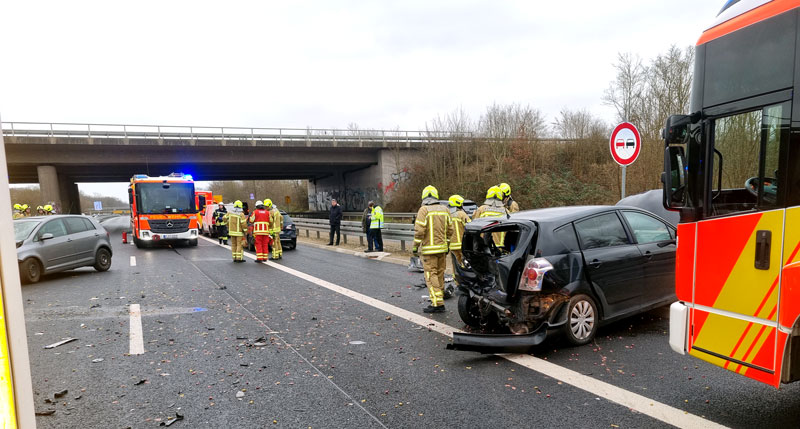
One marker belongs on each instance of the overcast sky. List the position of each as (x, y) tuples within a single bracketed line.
[(324, 64)]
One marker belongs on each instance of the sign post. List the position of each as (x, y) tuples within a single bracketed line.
[(625, 145)]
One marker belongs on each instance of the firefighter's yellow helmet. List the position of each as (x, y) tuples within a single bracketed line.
[(48, 208), (430, 191), (39, 208), (268, 202), (237, 204), (17, 206), (494, 192), (506, 188), (24, 207), (456, 200)]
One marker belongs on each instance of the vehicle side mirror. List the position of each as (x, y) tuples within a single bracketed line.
[(202, 200), (676, 129), (46, 236), (130, 196), (674, 178)]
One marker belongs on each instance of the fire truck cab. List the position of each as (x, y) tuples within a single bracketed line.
[(163, 209)]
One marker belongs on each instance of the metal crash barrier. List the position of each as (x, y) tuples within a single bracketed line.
[(401, 232)]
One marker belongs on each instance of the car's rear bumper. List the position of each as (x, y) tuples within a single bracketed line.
[(499, 343)]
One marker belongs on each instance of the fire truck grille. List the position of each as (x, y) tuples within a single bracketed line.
[(169, 226)]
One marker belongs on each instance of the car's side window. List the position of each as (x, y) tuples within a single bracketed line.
[(89, 225), (566, 235), (647, 229), (55, 227), (75, 225), (601, 231)]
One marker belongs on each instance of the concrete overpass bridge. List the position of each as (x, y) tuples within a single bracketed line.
[(351, 165)]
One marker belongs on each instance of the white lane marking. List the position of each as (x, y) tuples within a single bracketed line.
[(136, 337), (133, 261), (633, 401)]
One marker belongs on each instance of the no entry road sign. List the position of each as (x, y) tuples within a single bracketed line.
[(626, 143)]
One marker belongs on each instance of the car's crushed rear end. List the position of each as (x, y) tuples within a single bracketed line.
[(512, 285)]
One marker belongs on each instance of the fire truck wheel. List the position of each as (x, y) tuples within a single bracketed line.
[(139, 243), (192, 242)]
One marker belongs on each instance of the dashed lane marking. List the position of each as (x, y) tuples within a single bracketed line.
[(136, 337), (133, 261), (633, 401)]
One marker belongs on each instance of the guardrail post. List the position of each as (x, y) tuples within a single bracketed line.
[(403, 245)]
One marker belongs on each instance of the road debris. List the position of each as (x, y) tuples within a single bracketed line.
[(239, 395), (357, 343), (61, 393), (140, 382), (60, 343), (171, 420), (97, 360), (45, 413), (261, 342)]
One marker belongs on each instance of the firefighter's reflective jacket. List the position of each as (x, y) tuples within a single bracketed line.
[(457, 222), (276, 221), (431, 229), (237, 224), (260, 220)]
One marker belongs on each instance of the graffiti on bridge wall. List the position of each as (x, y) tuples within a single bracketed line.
[(350, 200), (398, 178)]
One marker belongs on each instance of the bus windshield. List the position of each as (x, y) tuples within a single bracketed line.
[(155, 198)]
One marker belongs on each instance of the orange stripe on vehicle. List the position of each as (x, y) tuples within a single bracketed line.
[(761, 13), (738, 344)]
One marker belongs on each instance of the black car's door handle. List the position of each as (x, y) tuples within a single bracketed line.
[(595, 263)]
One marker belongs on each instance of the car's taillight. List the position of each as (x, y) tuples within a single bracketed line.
[(533, 274)]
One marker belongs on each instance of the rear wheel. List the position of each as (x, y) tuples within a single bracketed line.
[(102, 260), (582, 319), (30, 270), (469, 311)]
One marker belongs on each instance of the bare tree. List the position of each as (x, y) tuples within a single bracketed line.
[(579, 125), (625, 94)]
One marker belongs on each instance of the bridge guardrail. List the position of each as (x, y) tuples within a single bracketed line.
[(401, 232)]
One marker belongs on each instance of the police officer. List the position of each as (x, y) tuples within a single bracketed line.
[(431, 230), (509, 202), (260, 218), (236, 224), (375, 226), (276, 221), (493, 207), (220, 221), (458, 218)]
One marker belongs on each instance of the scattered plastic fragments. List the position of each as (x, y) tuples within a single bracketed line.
[(60, 343), (172, 420), (61, 393), (357, 343), (97, 360)]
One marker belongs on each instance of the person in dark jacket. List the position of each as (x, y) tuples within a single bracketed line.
[(336, 221), (365, 221)]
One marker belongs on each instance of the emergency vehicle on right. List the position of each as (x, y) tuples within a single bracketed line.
[(732, 171)]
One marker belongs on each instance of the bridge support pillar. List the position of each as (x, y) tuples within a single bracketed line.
[(48, 184), (70, 197)]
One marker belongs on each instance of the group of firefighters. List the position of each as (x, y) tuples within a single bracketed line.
[(267, 222), (439, 230), (23, 210)]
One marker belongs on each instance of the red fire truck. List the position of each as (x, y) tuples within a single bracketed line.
[(732, 169), (163, 208)]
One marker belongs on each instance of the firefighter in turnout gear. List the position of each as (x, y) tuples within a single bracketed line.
[(458, 218), (260, 218), (493, 207), (220, 221), (509, 202), (237, 225), (431, 231), (19, 212), (276, 221)]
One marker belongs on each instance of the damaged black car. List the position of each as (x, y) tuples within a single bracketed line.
[(563, 270)]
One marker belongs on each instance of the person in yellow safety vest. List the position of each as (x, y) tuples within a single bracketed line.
[(19, 213), (276, 222), (375, 227), (48, 209), (431, 231), (493, 207), (261, 218), (237, 225), (509, 202), (458, 218)]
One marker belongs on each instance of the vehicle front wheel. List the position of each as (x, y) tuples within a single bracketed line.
[(582, 319), (30, 270), (469, 311), (294, 244), (193, 242), (102, 260)]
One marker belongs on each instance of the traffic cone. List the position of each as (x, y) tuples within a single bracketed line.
[(124, 237)]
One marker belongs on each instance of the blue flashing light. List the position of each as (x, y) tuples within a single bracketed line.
[(188, 177), (140, 176)]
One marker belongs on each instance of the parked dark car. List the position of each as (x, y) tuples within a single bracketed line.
[(567, 269), (288, 234), (50, 244)]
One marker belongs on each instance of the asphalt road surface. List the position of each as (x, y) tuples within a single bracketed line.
[(325, 339)]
